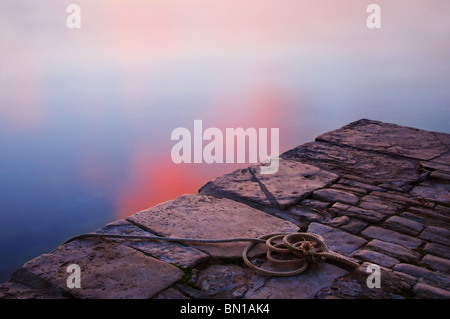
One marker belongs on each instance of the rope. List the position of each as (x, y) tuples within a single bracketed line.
[(299, 249)]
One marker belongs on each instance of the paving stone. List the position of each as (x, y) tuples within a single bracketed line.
[(224, 281), (337, 240), (378, 168), (433, 216), (354, 226), (413, 217), (443, 159), (108, 270), (360, 191), (354, 181), (171, 293), (303, 286), (444, 167), (207, 217), (387, 138), (294, 181), (440, 176), (438, 249), (435, 193), (314, 204), (335, 195), (427, 275), (170, 252), (393, 250), (437, 263), (404, 225), (391, 236), (365, 214), (396, 197), (377, 258), (379, 205), (339, 221), (428, 291), (291, 183), (309, 215), (437, 235), (43, 290)]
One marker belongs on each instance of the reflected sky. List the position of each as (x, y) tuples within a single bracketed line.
[(86, 115)]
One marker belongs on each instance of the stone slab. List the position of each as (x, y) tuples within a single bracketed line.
[(378, 168), (393, 250), (404, 225), (335, 195), (207, 217), (433, 192), (337, 240), (431, 292), (428, 275), (303, 286), (170, 252), (387, 138), (437, 235), (108, 270), (292, 182), (377, 258), (437, 263), (391, 236)]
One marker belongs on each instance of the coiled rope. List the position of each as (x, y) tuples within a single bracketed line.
[(299, 249)]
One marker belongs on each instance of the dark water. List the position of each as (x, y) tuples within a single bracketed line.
[(86, 115)]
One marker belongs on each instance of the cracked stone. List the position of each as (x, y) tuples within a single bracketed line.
[(207, 217), (291, 183), (108, 270), (170, 252)]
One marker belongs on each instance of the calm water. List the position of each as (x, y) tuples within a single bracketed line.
[(86, 115)]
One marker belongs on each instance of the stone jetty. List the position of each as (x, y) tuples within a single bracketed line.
[(377, 193)]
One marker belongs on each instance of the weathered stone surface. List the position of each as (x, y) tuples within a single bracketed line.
[(391, 237), (354, 226), (440, 176), (444, 167), (108, 270), (437, 263), (309, 215), (435, 193), (437, 235), (401, 198), (379, 205), (393, 250), (171, 293), (314, 204), (438, 249), (404, 225), (44, 290), (434, 217), (207, 217), (170, 252), (360, 191), (292, 182), (377, 258), (359, 183), (428, 291), (337, 240), (428, 275), (365, 214), (303, 286), (335, 195), (387, 138), (443, 159), (224, 281), (378, 168)]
